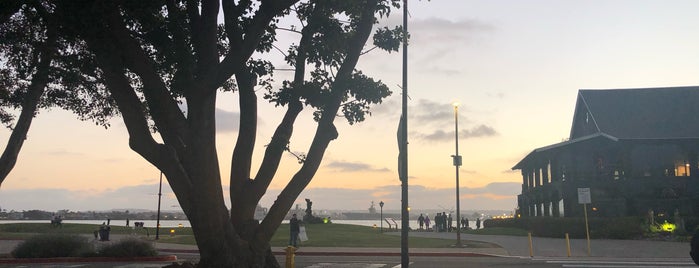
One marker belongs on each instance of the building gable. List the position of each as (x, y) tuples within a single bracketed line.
[(647, 113)]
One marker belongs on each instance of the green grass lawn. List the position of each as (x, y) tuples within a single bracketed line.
[(320, 235)]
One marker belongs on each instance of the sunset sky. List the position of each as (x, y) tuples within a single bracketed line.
[(514, 66)]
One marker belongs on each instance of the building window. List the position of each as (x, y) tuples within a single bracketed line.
[(618, 174), (682, 169)]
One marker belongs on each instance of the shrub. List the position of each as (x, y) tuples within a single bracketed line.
[(53, 245), (611, 228), (130, 247)]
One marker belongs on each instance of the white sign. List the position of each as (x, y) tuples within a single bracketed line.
[(584, 196)]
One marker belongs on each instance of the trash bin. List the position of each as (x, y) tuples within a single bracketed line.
[(104, 233)]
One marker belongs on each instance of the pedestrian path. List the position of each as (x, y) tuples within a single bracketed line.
[(556, 247), (618, 262)]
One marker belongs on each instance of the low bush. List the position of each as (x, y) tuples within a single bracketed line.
[(130, 247), (610, 228), (53, 245)]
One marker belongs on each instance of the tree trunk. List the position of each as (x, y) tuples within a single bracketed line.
[(31, 99)]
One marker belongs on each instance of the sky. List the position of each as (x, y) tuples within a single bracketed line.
[(515, 67)]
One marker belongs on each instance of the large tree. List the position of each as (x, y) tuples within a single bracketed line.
[(163, 64), (36, 66)]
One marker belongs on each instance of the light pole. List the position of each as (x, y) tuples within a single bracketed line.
[(381, 206), (457, 163), (160, 194)]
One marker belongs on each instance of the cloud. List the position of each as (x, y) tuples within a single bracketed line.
[(475, 132), (143, 196), (436, 55), (64, 152), (494, 196), (429, 119), (353, 167), (428, 112), (227, 121)]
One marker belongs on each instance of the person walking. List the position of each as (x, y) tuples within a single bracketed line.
[(450, 220), (427, 222), (294, 230), (421, 221), (478, 223)]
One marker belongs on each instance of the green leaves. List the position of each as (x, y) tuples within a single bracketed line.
[(324, 46), (387, 39)]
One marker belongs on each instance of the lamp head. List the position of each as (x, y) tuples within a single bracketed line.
[(455, 103)]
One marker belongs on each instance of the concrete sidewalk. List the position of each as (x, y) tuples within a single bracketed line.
[(556, 247), (509, 246)]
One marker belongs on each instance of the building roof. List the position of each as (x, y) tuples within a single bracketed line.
[(644, 113), (630, 114), (561, 146)]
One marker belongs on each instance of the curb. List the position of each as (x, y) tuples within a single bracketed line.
[(163, 258), (337, 253), (416, 254)]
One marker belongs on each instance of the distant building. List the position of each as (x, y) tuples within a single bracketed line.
[(636, 149)]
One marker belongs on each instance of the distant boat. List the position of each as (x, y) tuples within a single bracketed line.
[(371, 215)]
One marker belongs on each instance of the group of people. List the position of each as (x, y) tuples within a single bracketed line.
[(443, 222)]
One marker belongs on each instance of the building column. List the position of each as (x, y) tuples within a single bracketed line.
[(693, 168), (555, 207)]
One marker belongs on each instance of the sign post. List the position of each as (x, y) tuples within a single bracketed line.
[(585, 198)]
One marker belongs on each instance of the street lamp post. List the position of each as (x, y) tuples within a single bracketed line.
[(457, 163), (381, 206), (160, 194)]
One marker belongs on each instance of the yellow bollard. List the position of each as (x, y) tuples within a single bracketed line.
[(568, 244), (531, 247), (290, 253)]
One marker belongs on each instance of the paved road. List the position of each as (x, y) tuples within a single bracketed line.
[(547, 252)]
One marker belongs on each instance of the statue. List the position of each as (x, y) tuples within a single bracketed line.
[(309, 212), (309, 218)]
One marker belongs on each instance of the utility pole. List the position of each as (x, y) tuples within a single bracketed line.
[(403, 144)]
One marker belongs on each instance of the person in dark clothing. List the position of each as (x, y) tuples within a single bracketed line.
[(478, 223), (450, 223), (294, 230), (421, 221)]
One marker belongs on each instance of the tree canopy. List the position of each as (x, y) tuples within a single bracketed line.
[(159, 65)]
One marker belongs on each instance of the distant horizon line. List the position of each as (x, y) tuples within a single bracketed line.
[(414, 210)]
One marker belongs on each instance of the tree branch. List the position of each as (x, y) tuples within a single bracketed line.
[(325, 132), (47, 50), (166, 114), (140, 140), (241, 161), (243, 44), (206, 51), (183, 53)]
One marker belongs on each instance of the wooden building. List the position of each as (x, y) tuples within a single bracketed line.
[(636, 149)]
